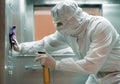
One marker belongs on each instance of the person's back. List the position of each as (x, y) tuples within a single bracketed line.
[(112, 62)]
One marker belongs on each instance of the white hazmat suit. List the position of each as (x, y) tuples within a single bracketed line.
[(92, 38)]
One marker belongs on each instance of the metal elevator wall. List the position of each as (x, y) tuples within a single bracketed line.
[(12, 18), (23, 69), (19, 15), (112, 13)]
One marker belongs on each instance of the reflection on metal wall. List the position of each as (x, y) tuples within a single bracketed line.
[(112, 13)]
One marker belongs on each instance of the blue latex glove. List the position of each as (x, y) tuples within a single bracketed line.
[(12, 32)]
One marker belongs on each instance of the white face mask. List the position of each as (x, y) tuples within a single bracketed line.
[(69, 28)]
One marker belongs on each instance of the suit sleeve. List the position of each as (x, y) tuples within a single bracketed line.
[(48, 43)]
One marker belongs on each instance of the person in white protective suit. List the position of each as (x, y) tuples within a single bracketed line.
[(92, 38)]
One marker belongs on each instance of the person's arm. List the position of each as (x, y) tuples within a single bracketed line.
[(103, 39), (48, 43), (31, 47)]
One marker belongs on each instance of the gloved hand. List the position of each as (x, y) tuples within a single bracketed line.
[(46, 60), (12, 39), (16, 46)]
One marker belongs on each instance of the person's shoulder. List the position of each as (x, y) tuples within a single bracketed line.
[(102, 18), (99, 17)]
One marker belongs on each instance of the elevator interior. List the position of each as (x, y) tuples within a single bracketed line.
[(29, 17)]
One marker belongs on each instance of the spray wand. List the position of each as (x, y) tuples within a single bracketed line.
[(46, 72)]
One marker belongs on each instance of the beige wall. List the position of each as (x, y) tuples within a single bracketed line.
[(43, 24), (2, 40)]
